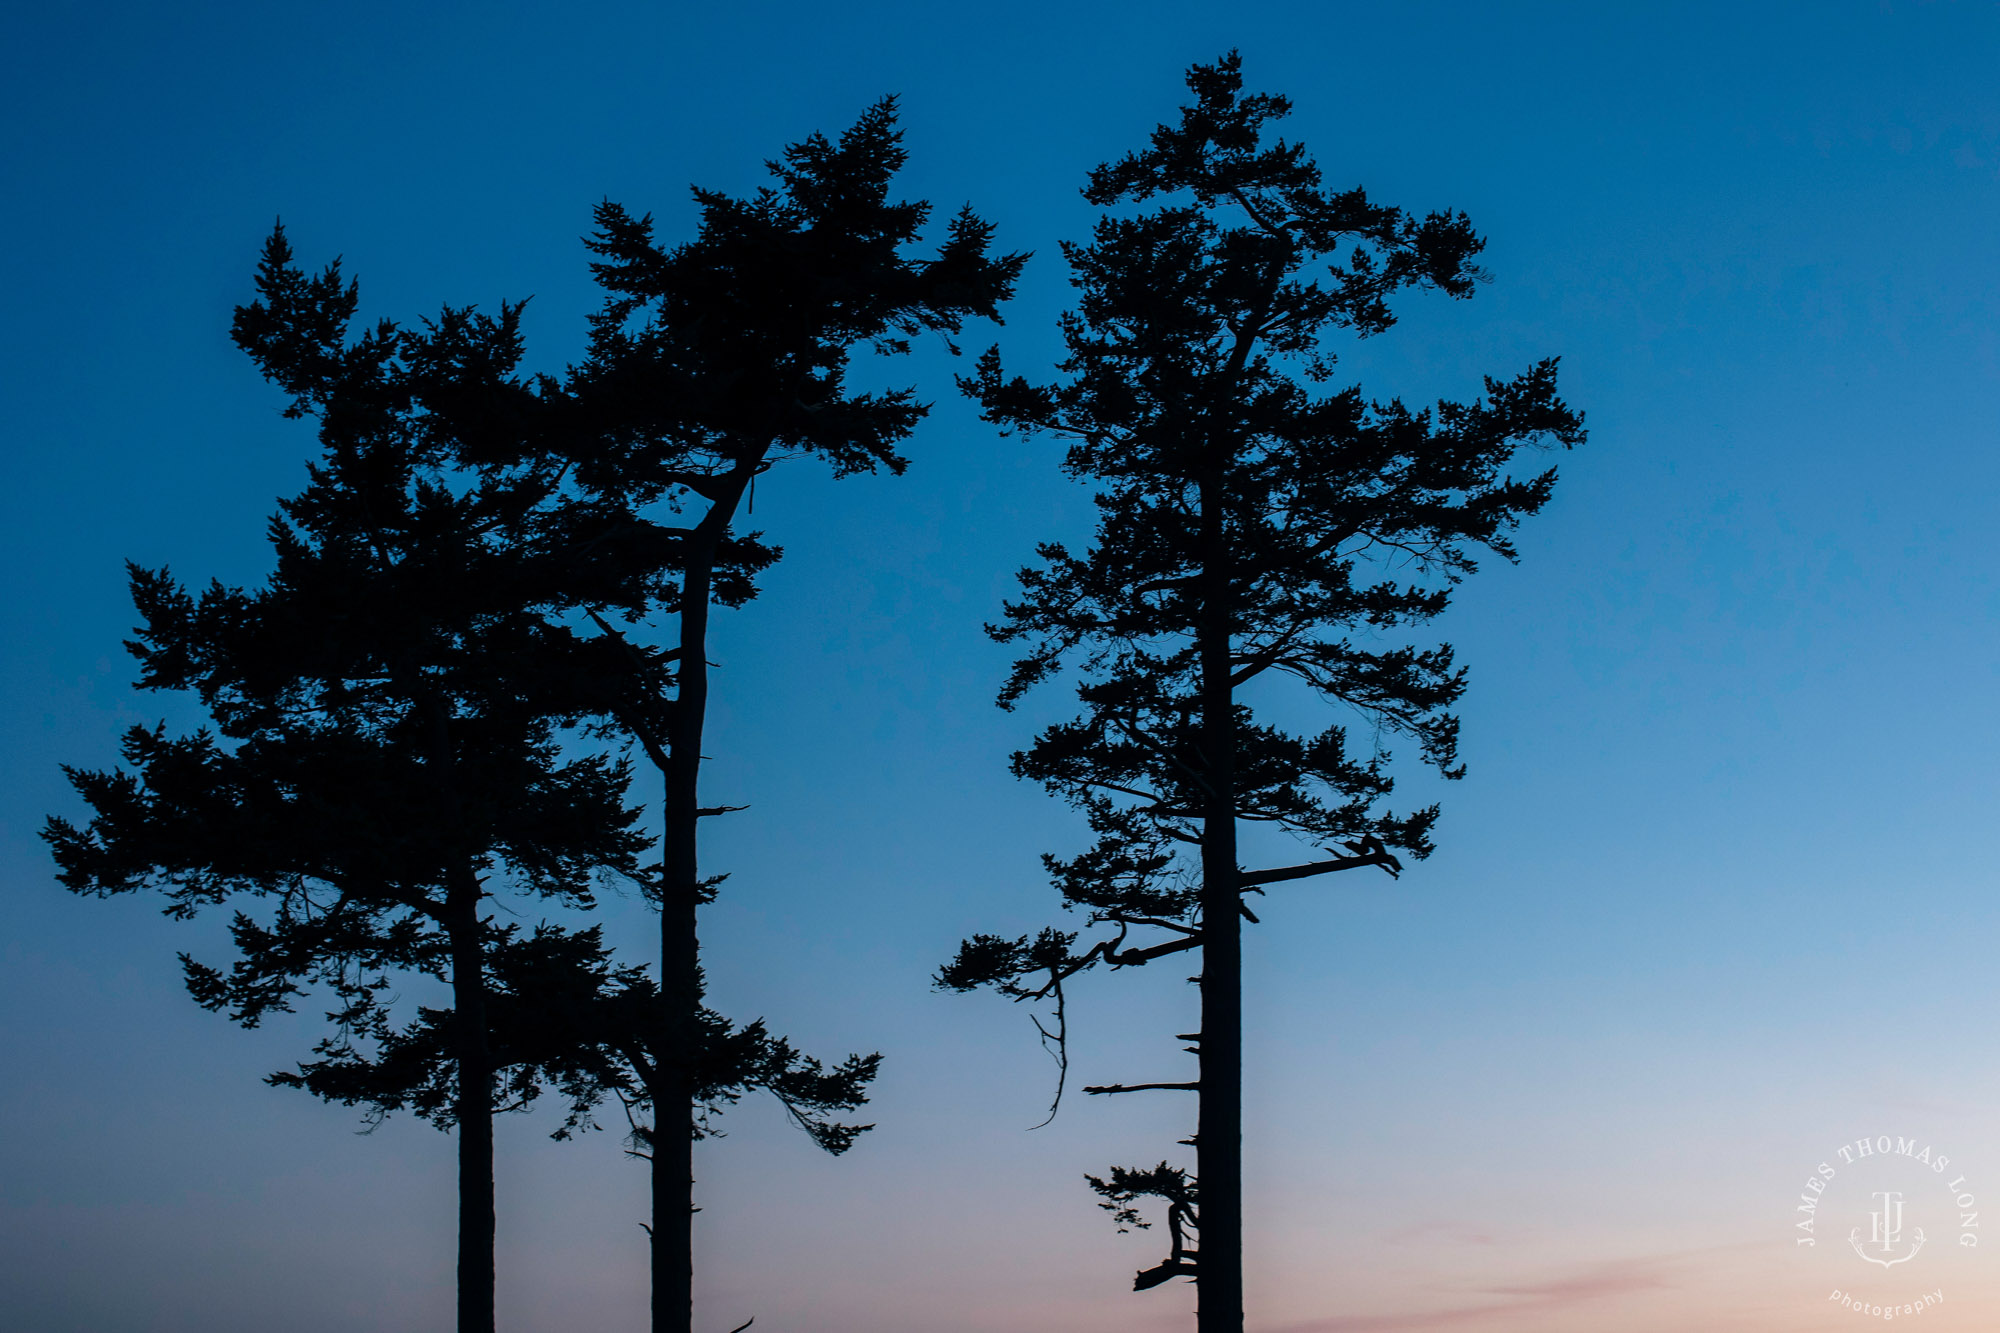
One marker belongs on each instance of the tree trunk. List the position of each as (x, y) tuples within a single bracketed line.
[(474, 1112), (1219, 1138), (680, 975), (680, 943)]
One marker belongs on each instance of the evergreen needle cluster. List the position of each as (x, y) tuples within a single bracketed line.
[(487, 631)]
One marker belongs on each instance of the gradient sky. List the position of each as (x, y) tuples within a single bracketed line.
[(1717, 897)]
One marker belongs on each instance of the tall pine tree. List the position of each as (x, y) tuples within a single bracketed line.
[(1249, 523), (386, 755), (711, 361)]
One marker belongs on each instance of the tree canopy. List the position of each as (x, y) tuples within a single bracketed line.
[(388, 716), (1254, 519), (709, 362)]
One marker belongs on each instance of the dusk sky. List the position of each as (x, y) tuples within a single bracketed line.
[(1717, 897)]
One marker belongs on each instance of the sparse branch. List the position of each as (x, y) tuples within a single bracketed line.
[(1136, 957), (1369, 852), (1057, 1045)]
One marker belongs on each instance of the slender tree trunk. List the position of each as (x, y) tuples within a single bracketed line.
[(1219, 1139), (680, 974), (680, 942), (474, 1112)]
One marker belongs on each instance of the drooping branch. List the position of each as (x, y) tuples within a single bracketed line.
[(1006, 964), (1057, 1045)]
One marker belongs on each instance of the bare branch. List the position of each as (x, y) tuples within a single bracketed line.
[(1056, 1044), (1135, 957), (1369, 853)]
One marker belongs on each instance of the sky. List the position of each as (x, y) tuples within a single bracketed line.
[(1715, 901)]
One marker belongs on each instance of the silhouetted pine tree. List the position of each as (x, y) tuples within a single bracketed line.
[(710, 362), (388, 713), (1248, 524), (560, 1010)]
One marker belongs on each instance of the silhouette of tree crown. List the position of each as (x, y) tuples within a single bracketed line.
[(1249, 521)]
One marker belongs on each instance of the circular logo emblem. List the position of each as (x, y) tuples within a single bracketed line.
[(1884, 1223)]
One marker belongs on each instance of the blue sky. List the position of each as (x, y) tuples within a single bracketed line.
[(1717, 895)]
